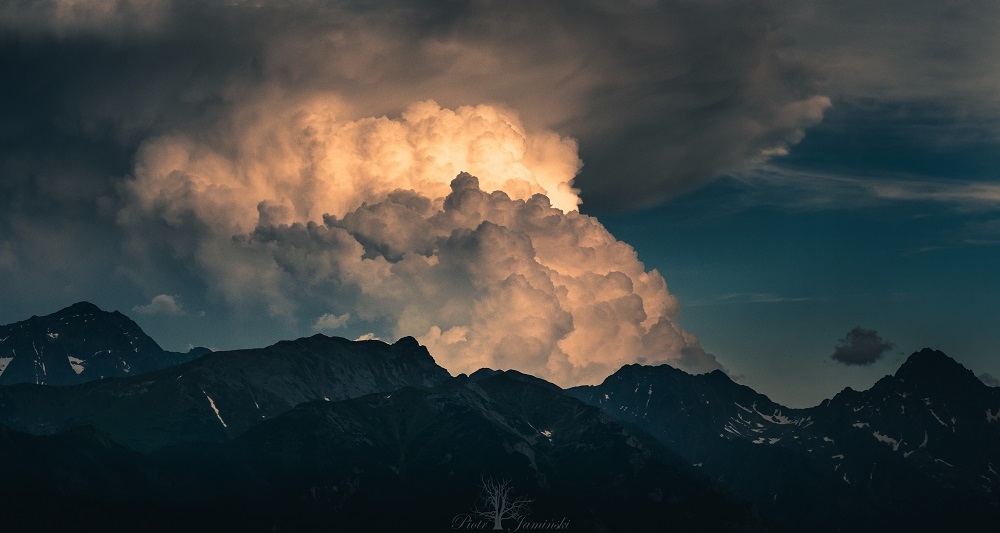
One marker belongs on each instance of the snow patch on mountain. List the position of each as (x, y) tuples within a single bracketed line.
[(777, 418), (936, 417), (211, 402), (77, 364), (887, 439)]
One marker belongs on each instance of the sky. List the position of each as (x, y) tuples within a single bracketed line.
[(798, 193)]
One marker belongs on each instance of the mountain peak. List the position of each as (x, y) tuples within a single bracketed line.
[(485, 374), (933, 368), (927, 359), (83, 307), (76, 344), (407, 342)]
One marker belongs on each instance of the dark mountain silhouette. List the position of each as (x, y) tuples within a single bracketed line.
[(322, 433), (221, 394), (78, 344), (919, 449), (414, 459)]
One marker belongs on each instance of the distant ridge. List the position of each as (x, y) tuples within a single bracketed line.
[(222, 394), (918, 451), (411, 460), (933, 369), (78, 344), (339, 431)]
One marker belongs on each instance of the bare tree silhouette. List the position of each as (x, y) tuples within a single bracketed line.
[(497, 502)]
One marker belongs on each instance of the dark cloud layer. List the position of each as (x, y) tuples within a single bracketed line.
[(663, 97), (166, 151), (861, 347), (900, 51), (139, 132), (989, 379)]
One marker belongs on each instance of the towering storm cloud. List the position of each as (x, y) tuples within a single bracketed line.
[(458, 227), (404, 169), (662, 96)]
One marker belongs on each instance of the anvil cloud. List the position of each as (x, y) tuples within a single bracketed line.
[(406, 168), (295, 210)]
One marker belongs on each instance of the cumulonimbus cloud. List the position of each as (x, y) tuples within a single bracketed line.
[(664, 96), (301, 158), (300, 210)]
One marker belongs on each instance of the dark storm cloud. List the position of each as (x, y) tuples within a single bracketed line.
[(110, 97), (860, 347), (904, 51), (663, 97)]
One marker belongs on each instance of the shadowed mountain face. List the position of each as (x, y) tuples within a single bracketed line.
[(222, 394), (78, 344), (322, 433), (919, 449), (415, 458)]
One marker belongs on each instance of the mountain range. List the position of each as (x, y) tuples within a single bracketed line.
[(327, 433), (221, 394), (79, 344), (920, 448)]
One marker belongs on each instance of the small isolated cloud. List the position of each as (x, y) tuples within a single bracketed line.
[(749, 297), (8, 260), (989, 379), (331, 321), (162, 304), (861, 347), (368, 337)]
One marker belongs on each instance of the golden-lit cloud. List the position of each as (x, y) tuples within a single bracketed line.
[(161, 304), (382, 222), (297, 161)]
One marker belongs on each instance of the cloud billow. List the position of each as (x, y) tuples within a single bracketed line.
[(376, 222), (480, 278), (671, 94), (161, 304), (298, 162), (330, 321), (861, 347)]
